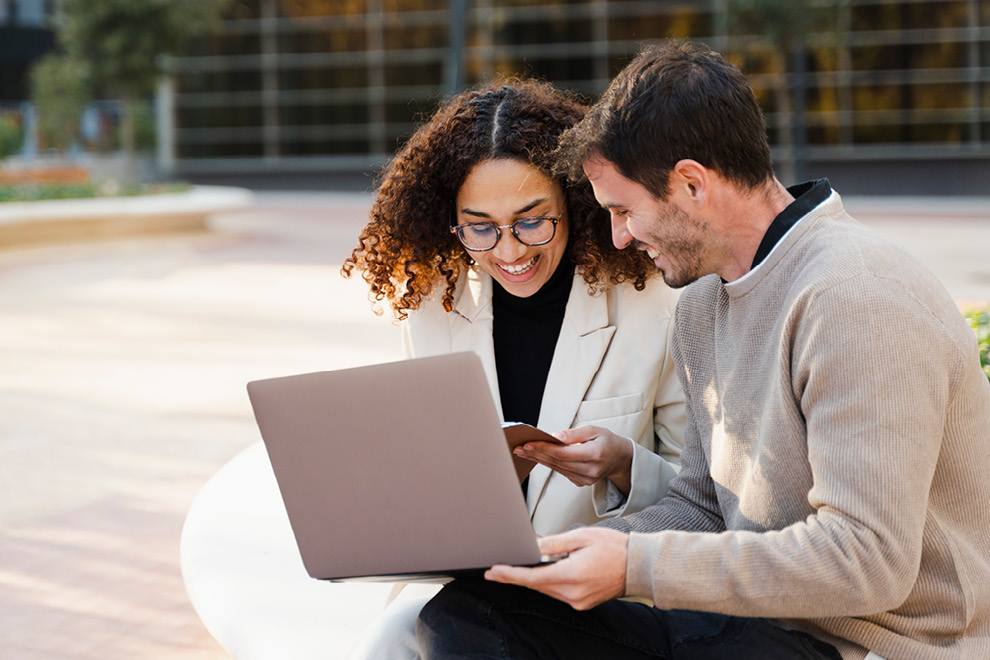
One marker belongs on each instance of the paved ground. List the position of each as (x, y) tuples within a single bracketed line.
[(122, 391)]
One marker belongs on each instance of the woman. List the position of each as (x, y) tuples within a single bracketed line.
[(476, 242), (478, 245)]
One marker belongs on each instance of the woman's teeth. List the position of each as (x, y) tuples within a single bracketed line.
[(520, 269), (652, 252)]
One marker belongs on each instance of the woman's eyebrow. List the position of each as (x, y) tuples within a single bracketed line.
[(529, 207)]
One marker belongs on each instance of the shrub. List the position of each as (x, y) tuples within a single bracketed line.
[(11, 135), (59, 91), (979, 321), (33, 192)]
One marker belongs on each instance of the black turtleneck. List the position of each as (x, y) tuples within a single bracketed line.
[(525, 332)]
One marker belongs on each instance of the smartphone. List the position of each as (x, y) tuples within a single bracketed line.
[(517, 433)]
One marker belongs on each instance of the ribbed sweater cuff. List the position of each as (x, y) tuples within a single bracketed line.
[(641, 551)]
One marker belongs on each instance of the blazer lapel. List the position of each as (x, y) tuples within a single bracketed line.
[(471, 324), (584, 339)]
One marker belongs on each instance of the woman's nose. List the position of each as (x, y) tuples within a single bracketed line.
[(509, 248)]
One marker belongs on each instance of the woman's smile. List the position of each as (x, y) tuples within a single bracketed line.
[(504, 191)]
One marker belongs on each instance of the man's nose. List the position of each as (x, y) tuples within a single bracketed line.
[(620, 232)]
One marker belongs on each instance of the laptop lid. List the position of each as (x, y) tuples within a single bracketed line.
[(395, 470)]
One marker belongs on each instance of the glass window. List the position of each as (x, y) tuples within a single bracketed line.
[(559, 70), (889, 41), (822, 135), (219, 116), (548, 30), (910, 16), (679, 23), (325, 147), (909, 56), (324, 114), (401, 37), (243, 9), (531, 3), (221, 149), (430, 74), (344, 77), (323, 40), (230, 44), (219, 81), (313, 8), (412, 5)]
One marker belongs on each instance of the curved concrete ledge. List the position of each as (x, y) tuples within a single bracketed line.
[(246, 580), (24, 224)]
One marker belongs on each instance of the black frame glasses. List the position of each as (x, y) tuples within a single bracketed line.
[(458, 231)]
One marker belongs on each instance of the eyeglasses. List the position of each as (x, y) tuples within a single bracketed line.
[(484, 236)]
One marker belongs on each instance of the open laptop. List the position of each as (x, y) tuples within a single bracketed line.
[(395, 471)]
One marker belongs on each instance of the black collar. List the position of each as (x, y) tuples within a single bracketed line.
[(807, 196)]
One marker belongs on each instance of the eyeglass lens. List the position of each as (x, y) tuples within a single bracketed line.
[(484, 236)]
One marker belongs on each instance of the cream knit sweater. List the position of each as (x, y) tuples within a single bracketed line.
[(837, 460)]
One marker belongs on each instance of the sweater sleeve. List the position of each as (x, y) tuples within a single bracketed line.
[(874, 407), (690, 502)]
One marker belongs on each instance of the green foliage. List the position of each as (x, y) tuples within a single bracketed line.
[(144, 128), (59, 91), (41, 191), (780, 21), (34, 192), (11, 135), (783, 25), (124, 40), (979, 321)]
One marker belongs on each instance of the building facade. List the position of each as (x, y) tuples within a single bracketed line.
[(872, 91)]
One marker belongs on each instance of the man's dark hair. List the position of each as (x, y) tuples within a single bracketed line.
[(675, 100)]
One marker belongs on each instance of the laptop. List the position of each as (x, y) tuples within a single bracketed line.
[(396, 471)]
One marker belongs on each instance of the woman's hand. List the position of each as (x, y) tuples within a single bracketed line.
[(589, 453)]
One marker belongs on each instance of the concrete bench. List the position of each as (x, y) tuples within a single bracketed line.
[(56, 221), (244, 576)]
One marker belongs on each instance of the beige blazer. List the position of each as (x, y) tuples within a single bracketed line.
[(611, 367)]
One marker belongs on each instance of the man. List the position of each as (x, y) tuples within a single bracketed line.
[(832, 501)]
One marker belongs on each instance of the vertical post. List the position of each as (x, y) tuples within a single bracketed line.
[(454, 78), (375, 33), (269, 81), (798, 125), (846, 116), (30, 131), (165, 148), (486, 34), (720, 21), (973, 72), (599, 36)]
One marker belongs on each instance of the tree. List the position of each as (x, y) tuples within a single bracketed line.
[(783, 26), (124, 42), (59, 92)]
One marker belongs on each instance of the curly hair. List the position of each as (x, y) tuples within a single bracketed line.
[(407, 249)]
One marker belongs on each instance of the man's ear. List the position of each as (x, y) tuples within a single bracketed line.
[(693, 180)]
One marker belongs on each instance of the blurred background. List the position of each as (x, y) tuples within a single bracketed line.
[(883, 96), (127, 332)]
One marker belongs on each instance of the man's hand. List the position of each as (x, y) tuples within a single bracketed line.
[(593, 572), (590, 453)]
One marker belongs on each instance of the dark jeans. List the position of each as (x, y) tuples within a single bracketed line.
[(478, 619)]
